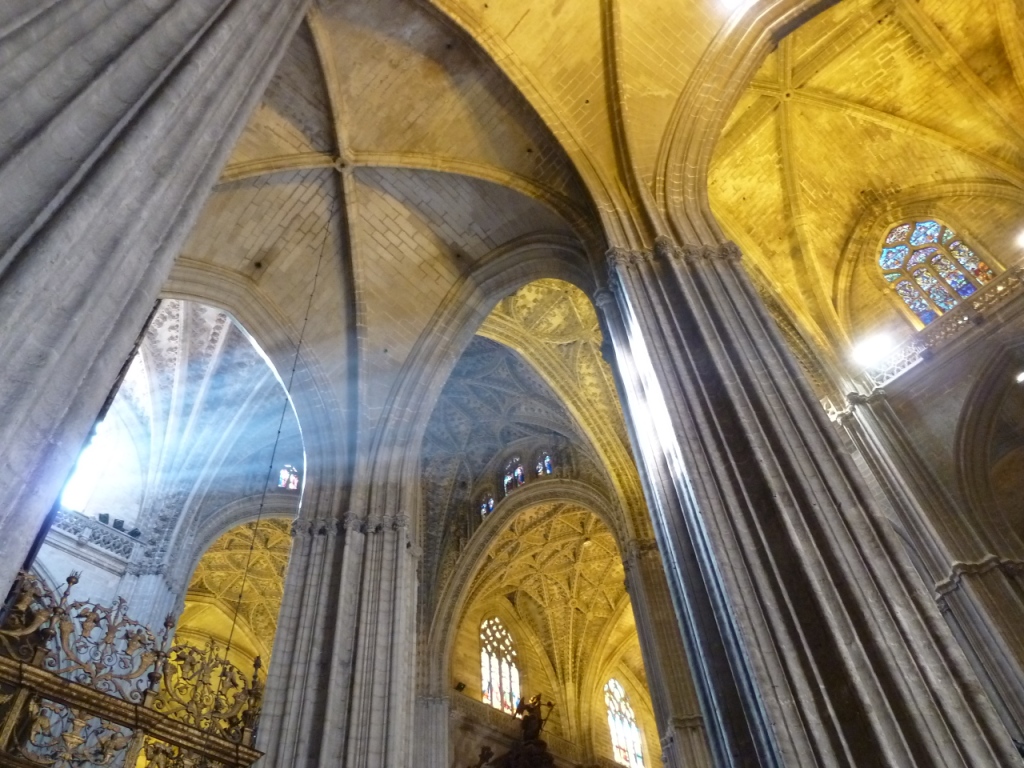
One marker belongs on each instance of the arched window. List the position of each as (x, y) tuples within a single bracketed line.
[(515, 475), (486, 506), (544, 465), (288, 478), (626, 747), (498, 671), (930, 268)]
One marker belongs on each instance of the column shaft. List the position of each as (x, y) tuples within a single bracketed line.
[(941, 534), (340, 688), (680, 726), (820, 630), (116, 119)]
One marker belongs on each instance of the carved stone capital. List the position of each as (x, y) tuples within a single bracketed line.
[(857, 398), (636, 549), (604, 298), (695, 253), (624, 258), (665, 249), (729, 251), (381, 523)]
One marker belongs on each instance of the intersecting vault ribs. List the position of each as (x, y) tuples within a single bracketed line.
[(221, 571), (561, 566)]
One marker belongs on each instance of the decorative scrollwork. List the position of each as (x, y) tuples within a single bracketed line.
[(25, 630), (48, 641), (58, 736), (96, 645), (205, 690), (160, 754)]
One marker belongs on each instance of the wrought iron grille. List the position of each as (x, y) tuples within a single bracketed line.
[(82, 685)]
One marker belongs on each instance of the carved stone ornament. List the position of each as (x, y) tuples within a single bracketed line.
[(625, 257)]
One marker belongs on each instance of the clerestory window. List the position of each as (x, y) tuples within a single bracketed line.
[(626, 747), (288, 478), (498, 671), (931, 268)]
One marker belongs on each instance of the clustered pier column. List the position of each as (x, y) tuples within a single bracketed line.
[(813, 640), (117, 117), (339, 689), (947, 547), (680, 725)]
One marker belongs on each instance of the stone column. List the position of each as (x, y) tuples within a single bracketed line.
[(949, 553), (680, 725), (340, 688), (813, 640), (116, 119), (433, 723)]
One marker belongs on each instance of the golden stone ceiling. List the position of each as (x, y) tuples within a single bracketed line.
[(558, 566), (871, 107), (227, 568), (871, 112)]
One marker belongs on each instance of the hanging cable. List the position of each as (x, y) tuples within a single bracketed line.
[(277, 440)]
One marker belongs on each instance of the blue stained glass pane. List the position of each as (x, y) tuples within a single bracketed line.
[(892, 258), (952, 275), (913, 299), (943, 299), (971, 262), (897, 234), (925, 232), (947, 235), (893, 277)]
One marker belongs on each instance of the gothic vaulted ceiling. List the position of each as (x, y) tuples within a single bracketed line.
[(241, 576), (560, 569), (873, 111), (193, 427)]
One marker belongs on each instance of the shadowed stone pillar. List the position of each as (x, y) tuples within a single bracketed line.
[(812, 639), (676, 708), (116, 119), (948, 552), (340, 688)]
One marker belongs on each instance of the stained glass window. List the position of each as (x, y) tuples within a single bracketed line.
[(499, 674), (925, 232), (626, 747), (898, 234), (288, 478), (486, 506), (930, 269), (515, 475), (544, 464)]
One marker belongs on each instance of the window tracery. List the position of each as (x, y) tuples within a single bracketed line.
[(931, 268), (625, 735), (486, 506), (499, 674), (288, 478)]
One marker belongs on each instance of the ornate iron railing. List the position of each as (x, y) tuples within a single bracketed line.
[(84, 686), (951, 325)]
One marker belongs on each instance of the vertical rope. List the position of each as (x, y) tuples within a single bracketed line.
[(277, 440)]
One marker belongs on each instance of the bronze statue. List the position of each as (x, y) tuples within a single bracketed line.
[(532, 721)]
